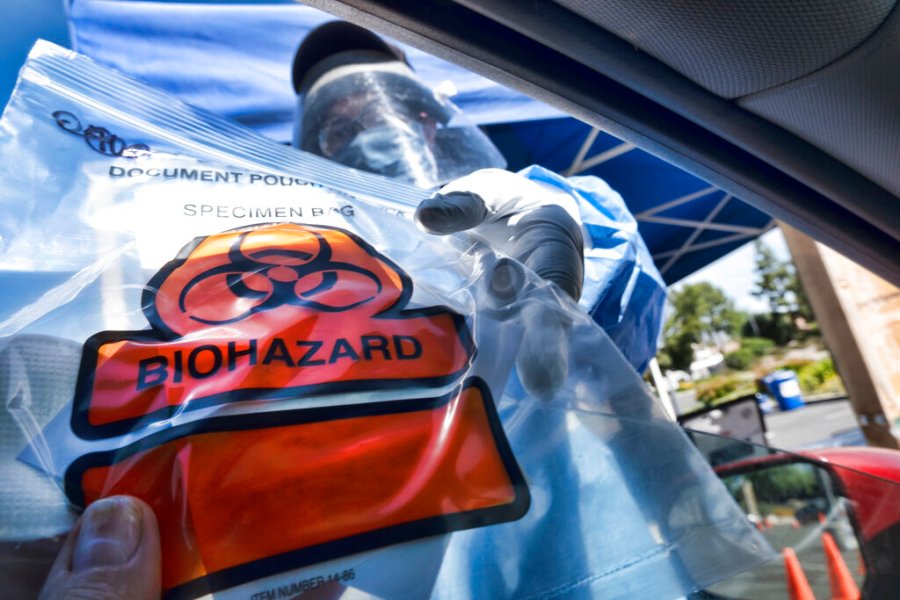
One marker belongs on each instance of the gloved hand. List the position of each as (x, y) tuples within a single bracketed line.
[(535, 223)]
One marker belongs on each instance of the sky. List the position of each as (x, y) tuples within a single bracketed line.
[(734, 273)]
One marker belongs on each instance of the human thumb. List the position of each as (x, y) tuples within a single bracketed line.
[(112, 552)]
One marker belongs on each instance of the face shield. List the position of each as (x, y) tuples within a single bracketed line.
[(380, 118)]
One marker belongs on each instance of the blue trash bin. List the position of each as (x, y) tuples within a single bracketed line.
[(785, 389)]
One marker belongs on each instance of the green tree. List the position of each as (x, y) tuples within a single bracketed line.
[(777, 282), (700, 313), (782, 483)]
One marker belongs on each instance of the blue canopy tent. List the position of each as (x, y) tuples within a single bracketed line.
[(210, 55), (686, 222)]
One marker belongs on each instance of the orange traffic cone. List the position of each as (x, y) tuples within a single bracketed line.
[(843, 587), (798, 585)]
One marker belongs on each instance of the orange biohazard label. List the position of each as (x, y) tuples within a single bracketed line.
[(279, 311), (281, 315), (243, 498)]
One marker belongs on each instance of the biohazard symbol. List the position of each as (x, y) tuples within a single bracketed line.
[(276, 311), (273, 277), (265, 276)]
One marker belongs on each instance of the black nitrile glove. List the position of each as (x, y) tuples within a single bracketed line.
[(535, 224)]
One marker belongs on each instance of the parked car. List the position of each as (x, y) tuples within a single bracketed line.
[(848, 493)]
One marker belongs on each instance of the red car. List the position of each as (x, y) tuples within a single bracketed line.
[(851, 494)]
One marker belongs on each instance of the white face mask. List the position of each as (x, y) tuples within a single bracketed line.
[(398, 151)]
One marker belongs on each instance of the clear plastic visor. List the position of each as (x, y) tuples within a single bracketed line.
[(381, 119)]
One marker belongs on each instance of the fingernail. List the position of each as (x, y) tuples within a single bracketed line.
[(109, 534)]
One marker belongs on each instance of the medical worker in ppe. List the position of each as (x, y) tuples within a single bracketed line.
[(361, 105)]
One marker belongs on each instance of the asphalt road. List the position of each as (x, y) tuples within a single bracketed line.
[(815, 425), (769, 581)]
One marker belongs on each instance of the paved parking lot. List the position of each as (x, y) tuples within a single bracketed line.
[(816, 425)]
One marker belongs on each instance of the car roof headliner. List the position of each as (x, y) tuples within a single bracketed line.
[(791, 107)]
